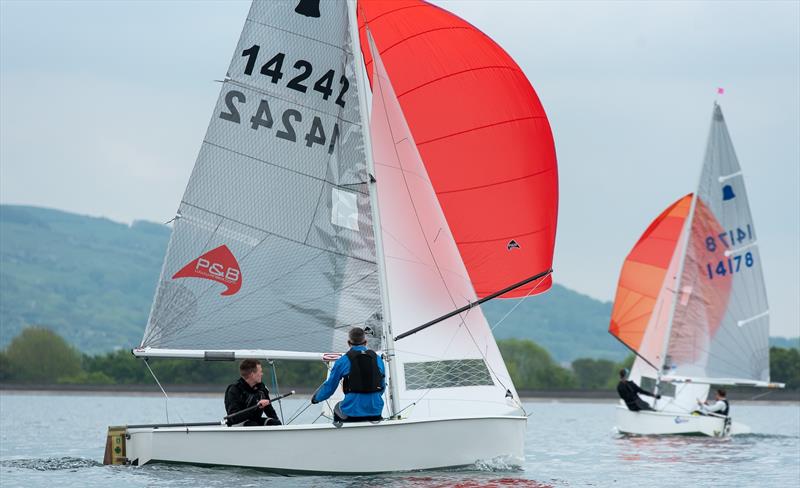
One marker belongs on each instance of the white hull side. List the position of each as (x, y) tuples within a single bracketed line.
[(671, 423), (401, 445)]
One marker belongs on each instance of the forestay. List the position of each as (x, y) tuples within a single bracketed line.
[(273, 245)]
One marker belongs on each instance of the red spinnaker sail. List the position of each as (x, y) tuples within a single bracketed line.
[(643, 274), (482, 134)]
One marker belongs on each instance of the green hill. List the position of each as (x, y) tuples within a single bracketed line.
[(92, 281), (89, 279)]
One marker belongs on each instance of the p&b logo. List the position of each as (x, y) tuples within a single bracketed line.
[(217, 265)]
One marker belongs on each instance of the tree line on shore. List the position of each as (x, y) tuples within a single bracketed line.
[(40, 356)]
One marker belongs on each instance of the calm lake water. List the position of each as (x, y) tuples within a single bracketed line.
[(58, 440)]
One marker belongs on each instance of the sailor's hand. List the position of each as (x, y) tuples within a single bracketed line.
[(263, 403), (658, 397)]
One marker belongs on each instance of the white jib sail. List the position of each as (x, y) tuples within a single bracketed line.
[(454, 366)]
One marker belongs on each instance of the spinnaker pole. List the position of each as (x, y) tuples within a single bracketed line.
[(474, 304)]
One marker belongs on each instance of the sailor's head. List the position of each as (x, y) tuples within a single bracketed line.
[(721, 394), (356, 337), (623, 373), (251, 371)]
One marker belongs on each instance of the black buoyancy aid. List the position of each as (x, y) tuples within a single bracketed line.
[(727, 408), (365, 376)]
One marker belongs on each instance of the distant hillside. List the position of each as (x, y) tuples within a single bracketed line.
[(89, 279), (92, 281)]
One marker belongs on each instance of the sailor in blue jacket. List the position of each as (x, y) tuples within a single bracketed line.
[(363, 375)]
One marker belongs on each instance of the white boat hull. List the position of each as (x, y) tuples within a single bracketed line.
[(397, 445), (671, 423)]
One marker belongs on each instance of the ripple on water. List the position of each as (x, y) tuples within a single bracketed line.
[(51, 463)]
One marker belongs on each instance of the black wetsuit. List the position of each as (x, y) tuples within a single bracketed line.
[(629, 392), (240, 395)]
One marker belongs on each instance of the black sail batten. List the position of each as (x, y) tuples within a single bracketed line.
[(474, 304)]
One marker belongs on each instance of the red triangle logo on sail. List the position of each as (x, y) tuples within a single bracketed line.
[(217, 265)]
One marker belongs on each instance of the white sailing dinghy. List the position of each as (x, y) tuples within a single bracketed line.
[(298, 224), (691, 302)]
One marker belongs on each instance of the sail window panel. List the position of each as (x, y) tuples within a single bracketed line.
[(351, 234), (344, 211), (248, 191), (446, 374), (295, 141), (664, 388)]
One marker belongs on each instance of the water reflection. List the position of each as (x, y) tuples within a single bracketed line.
[(684, 449)]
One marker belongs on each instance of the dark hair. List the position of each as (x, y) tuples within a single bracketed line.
[(721, 392), (623, 373), (356, 336), (248, 366)]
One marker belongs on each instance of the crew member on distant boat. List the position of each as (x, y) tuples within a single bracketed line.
[(248, 391), (363, 375), (721, 406), (630, 391)]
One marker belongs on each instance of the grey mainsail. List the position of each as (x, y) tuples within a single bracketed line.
[(273, 247), (720, 327)]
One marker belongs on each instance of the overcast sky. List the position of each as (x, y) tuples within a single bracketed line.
[(103, 106)]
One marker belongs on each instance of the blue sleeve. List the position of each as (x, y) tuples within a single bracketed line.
[(340, 368), (382, 367)]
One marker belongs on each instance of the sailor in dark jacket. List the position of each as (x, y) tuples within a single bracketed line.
[(247, 392), (630, 391)]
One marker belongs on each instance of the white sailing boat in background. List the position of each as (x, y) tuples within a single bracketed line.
[(691, 301), (298, 224)]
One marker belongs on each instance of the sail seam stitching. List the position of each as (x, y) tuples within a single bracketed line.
[(532, 117)]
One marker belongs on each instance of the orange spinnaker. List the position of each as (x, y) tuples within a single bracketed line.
[(643, 274), (482, 134)]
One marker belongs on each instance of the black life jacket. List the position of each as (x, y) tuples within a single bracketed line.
[(364, 376), (727, 407)]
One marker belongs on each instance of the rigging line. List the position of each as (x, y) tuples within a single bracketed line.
[(517, 304), (383, 96), (298, 412), (166, 398), (439, 363), (275, 384), (475, 303), (489, 367)]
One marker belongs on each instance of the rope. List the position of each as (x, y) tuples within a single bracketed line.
[(166, 401), (275, 387), (517, 304)]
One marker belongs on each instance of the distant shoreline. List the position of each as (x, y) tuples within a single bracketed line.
[(739, 395)]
